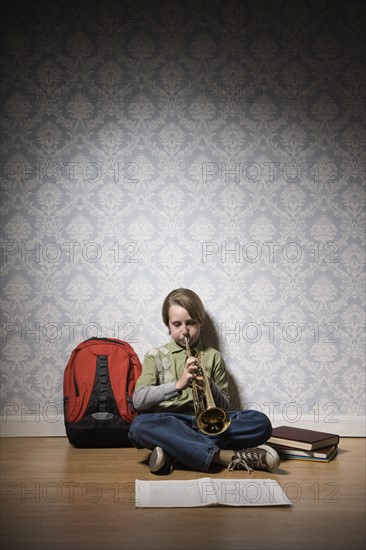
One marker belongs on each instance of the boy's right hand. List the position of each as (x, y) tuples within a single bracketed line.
[(189, 372)]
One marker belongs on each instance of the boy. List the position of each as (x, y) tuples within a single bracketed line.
[(163, 393)]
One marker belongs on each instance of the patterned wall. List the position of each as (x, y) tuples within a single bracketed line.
[(217, 145)]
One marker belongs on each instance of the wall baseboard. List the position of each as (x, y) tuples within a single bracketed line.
[(17, 426)]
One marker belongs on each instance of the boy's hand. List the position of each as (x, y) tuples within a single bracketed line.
[(189, 372)]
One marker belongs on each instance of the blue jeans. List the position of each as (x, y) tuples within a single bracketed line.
[(180, 438)]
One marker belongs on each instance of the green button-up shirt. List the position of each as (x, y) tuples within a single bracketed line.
[(155, 389)]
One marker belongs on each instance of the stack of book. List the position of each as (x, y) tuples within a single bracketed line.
[(302, 444)]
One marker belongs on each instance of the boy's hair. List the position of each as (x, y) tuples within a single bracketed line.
[(187, 299)]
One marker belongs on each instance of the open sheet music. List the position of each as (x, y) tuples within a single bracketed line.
[(209, 492)]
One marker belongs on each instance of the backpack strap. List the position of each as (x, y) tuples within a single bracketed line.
[(102, 376)]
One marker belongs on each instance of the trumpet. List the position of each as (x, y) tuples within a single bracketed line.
[(211, 420)]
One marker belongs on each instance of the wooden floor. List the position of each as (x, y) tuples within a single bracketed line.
[(56, 496)]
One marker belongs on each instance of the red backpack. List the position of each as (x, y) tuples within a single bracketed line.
[(99, 381)]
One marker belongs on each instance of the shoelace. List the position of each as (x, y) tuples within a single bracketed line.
[(241, 460)]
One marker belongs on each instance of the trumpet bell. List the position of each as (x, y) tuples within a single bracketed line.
[(213, 421)]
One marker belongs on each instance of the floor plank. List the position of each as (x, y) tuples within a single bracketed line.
[(56, 496)]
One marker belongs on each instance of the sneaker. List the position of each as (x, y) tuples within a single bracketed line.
[(160, 462), (262, 457)]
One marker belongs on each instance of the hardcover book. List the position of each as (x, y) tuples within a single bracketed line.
[(319, 453), (309, 458), (300, 438), (299, 454)]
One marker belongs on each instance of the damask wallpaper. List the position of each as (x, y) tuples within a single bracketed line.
[(211, 144)]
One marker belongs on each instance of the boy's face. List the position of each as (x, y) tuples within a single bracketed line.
[(181, 324)]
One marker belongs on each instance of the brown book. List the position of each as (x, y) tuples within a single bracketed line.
[(300, 438)]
